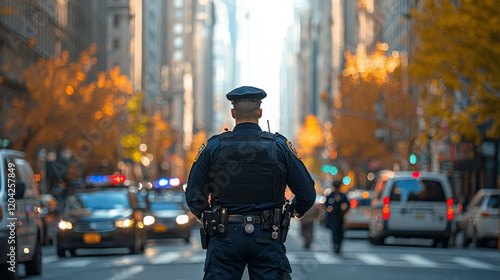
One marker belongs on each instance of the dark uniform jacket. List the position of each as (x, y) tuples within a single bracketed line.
[(294, 174)]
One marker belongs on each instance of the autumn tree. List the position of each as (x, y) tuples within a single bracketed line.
[(373, 116), (145, 136), (457, 63), (310, 144), (61, 108)]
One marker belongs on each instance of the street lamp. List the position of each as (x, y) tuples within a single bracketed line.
[(430, 134)]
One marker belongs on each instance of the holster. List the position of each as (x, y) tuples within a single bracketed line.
[(214, 222), (285, 220)]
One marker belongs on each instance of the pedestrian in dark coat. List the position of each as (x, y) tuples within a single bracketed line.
[(336, 206)]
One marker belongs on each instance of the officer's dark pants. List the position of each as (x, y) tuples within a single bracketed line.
[(337, 227), (228, 255)]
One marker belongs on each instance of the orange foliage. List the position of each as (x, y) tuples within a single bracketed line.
[(62, 108)]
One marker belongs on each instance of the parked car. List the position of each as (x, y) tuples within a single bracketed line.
[(19, 199), (481, 220), (50, 218), (101, 217), (358, 216), (413, 204)]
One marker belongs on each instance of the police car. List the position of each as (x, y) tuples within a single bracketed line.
[(171, 216), (103, 215)]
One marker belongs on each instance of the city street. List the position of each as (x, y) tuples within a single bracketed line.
[(175, 260)]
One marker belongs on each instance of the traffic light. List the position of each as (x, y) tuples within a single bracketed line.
[(413, 159)]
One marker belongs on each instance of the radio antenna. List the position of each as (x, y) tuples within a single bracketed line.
[(268, 127)]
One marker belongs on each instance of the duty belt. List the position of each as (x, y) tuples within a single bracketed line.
[(239, 218)]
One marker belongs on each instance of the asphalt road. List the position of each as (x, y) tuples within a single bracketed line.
[(175, 260)]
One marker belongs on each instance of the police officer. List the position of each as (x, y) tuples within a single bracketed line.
[(336, 206), (245, 172)]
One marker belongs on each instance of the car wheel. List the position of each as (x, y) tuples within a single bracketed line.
[(444, 242), (377, 240), (136, 247), (34, 267), (6, 274), (61, 252), (477, 242)]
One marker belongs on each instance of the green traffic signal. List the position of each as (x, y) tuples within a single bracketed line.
[(413, 159)]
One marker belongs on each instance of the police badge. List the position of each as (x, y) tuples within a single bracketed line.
[(292, 149), (202, 147)]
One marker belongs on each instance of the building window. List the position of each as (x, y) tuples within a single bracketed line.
[(178, 3), (178, 28), (116, 44), (178, 42), (116, 20)]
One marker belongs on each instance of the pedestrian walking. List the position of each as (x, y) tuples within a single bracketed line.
[(236, 187), (307, 225), (336, 206)]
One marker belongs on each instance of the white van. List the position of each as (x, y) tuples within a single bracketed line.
[(413, 204), (21, 231)]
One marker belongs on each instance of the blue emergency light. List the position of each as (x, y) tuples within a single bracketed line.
[(96, 179), (163, 183)]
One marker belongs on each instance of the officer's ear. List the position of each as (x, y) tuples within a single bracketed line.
[(260, 113), (233, 114)]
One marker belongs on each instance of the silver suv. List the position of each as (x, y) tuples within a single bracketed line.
[(21, 231), (413, 204)]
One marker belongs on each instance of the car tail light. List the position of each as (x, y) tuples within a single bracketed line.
[(485, 214), (449, 213), (1, 214), (353, 203), (386, 212)]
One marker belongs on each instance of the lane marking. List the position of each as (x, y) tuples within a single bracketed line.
[(418, 260), (472, 263), (326, 258), (75, 263), (126, 273), (198, 258), (49, 259), (370, 259), (165, 258), (125, 260)]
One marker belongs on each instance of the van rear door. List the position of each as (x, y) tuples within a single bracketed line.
[(417, 204)]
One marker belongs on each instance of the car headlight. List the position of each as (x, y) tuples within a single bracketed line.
[(149, 220), (124, 223), (65, 225), (182, 219)]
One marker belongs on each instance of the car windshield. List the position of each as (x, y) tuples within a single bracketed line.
[(160, 206), (417, 190), (98, 200)]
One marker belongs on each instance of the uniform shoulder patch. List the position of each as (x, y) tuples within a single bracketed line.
[(200, 149), (292, 149)]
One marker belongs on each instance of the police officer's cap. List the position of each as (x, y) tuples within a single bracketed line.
[(246, 93)]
